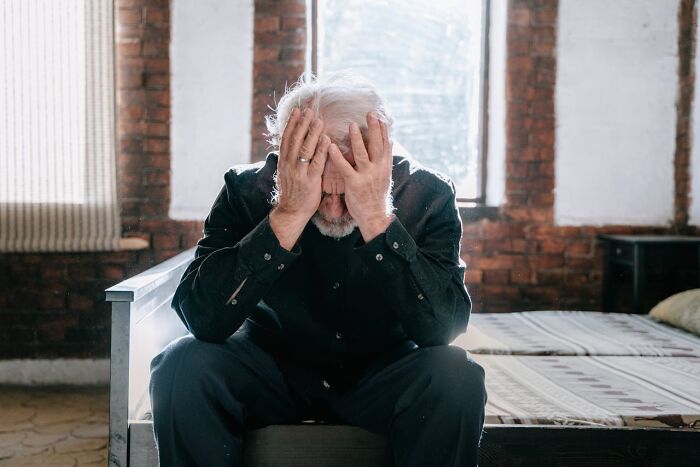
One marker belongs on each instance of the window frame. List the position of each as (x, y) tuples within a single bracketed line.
[(483, 139)]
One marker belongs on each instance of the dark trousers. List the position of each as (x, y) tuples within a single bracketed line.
[(429, 402)]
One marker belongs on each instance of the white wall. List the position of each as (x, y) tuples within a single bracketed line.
[(615, 109), (496, 157), (694, 208), (211, 87)]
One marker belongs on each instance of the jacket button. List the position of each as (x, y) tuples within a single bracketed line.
[(338, 335), (335, 285), (420, 296), (379, 257), (234, 301), (267, 256), (325, 384), (395, 245), (280, 267)]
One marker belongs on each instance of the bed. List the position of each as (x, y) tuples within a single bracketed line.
[(575, 333), (546, 405), (586, 368)]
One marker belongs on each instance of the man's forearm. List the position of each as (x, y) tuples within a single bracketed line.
[(224, 283), (287, 227), (425, 294)]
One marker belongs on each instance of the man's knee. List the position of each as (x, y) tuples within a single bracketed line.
[(186, 361), (456, 377)]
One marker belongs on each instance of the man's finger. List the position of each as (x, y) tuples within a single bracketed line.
[(299, 135), (375, 143), (312, 139), (341, 164), (357, 145), (318, 163), (388, 146), (288, 130)]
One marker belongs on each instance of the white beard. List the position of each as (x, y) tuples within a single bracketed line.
[(336, 228)]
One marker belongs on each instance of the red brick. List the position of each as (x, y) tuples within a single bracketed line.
[(266, 24), (157, 15), (547, 261), (292, 55), (281, 38), (157, 65), (579, 248), (129, 16), (280, 8), (473, 276), (155, 49), (166, 242), (500, 262), (80, 302), (156, 80), (496, 276), (158, 114), (522, 276), (157, 146), (112, 272), (293, 22), (519, 16), (550, 276), (552, 245), (130, 48), (266, 54)]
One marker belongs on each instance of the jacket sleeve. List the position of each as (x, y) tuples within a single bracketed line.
[(235, 262), (423, 284)]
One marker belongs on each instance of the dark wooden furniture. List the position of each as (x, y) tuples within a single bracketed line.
[(143, 322), (640, 255)]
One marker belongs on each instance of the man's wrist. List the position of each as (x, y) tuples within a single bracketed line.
[(287, 227), (375, 226)]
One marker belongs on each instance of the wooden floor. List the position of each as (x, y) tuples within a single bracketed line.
[(69, 427), (54, 426)]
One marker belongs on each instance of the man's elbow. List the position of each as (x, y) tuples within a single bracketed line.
[(199, 324), (443, 333), (209, 335)]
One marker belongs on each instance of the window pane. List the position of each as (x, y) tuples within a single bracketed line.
[(43, 102), (425, 58)]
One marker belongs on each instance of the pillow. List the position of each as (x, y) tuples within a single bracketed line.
[(681, 310)]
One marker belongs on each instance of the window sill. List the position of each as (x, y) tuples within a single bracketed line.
[(470, 212), (133, 243)]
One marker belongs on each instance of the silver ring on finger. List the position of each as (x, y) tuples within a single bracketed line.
[(303, 160)]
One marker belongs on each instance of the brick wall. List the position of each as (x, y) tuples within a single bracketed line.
[(52, 305), (522, 261), (278, 60)]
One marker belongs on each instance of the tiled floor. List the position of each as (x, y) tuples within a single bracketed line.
[(54, 426)]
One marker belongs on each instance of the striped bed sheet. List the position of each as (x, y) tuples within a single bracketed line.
[(603, 391), (575, 333)]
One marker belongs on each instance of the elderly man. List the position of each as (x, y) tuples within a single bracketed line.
[(328, 285)]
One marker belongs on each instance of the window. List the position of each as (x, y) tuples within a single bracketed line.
[(428, 59), (57, 155)]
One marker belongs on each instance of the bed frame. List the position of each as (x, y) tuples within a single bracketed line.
[(143, 323)]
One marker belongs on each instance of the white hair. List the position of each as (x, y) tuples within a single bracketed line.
[(338, 98), (335, 228)]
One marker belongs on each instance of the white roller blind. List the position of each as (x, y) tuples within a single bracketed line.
[(58, 188)]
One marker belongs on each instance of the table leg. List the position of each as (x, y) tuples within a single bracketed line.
[(607, 286), (698, 265), (639, 278)]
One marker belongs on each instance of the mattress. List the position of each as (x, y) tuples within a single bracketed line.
[(575, 333), (605, 391)]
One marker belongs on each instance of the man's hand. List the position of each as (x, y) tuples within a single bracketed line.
[(299, 183), (367, 187)]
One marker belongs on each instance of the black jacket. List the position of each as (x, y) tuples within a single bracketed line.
[(331, 308)]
